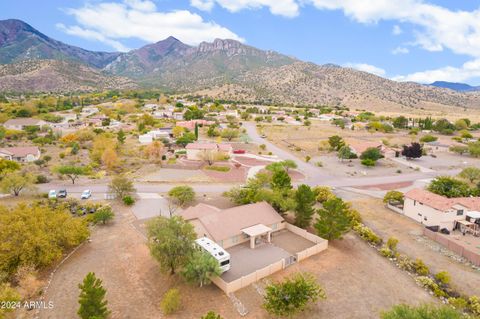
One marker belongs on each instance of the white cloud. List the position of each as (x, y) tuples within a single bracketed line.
[(366, 68), (400, 50), (468, 70), (109, 22), (440, 27), (286, 8), (397, 30), (91, 35)]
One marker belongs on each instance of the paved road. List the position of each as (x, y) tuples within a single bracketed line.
[(314, 175)]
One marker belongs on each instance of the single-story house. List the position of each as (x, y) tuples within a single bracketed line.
[(359, 146), (435, 210), (195, 150), (153, 135), (20, 153), (21, 123), (236, 225), (190, 125)]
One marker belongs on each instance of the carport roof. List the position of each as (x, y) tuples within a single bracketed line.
[(256, 230)]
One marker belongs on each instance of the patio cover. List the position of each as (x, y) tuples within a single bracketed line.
[(473, 214), (256, 230), (464, 222)]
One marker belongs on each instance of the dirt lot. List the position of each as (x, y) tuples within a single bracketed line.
[(388, 223), (358, 282)]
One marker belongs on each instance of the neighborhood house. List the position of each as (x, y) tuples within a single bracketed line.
[(20, 154), (20, 123), (447, 213)]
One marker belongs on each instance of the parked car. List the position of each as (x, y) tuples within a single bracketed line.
[(52, 194), (86, 194), (239, 152), (62, 193)]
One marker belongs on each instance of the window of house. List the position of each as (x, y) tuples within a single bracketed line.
[(414, 203), (274, 226), (424, 218), (459, 212)]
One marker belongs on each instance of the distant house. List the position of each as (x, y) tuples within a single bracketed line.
[(435, 210), (190, 125), (233, 226), (153, 135), (21, 123), (360, 146), (20, 154), (195, 150)]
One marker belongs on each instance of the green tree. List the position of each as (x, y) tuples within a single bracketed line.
[(281, 181), (182, 195), (400, 122), (103, 215), (282, 165), (15, 182), (336, 142), (72, 172), (121, 136), (333, 219), (92, 298), (37, 235), (422, 312), (200, 267), (121, 186), (449, 187), (7, 166), (293, 295), (193, 113), (393, 196), (304, 199), (474, 149), (371, 153), (345, 153), (171, 241), (229, 133), (186, 138), (196, 131), (471, 174)]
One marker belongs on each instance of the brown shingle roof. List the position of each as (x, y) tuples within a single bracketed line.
[(441, 202), (20, 151), (226, 223)]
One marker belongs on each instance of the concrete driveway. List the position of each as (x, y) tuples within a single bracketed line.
[(151, 205)]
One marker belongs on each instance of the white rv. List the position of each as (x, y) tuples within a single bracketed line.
[(216, 251)]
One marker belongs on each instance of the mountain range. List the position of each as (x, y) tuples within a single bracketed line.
[(31, 61), (460, 87)]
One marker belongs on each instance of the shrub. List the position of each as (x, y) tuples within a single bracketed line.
[(171, 301), (367, 234), (420, 268), (428, 138), (323, 193), (128, 200), (423, 311), (307, 158), (103, 215), (218, 168), (405, 263), (443, 278), (211, 315), (61, 155), (393, 196), (41, 179), (458, 302), (368, 162), (474, 305)]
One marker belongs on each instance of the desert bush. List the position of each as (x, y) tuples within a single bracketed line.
[(420, 268), (458, 303), (443, 278), (218, 168), (128, 200), (171, 301), (367, 234), (474, 305)]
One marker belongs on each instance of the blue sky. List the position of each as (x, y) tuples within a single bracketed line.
[(404, 40)]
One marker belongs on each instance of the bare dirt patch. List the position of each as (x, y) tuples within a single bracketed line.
[(388, 223)]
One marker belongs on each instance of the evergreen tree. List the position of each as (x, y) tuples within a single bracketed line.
[(196, 131), (121, 137), (92, 298), (281, 180), (412, 151), (333, 219), (305, 199)]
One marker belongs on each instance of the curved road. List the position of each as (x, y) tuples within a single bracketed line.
[(313, 175)]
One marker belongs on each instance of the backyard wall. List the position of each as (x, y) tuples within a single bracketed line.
[(471, 256), (320, 245)]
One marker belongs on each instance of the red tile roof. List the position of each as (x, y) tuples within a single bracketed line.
[(20, 151), (441, 202)]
